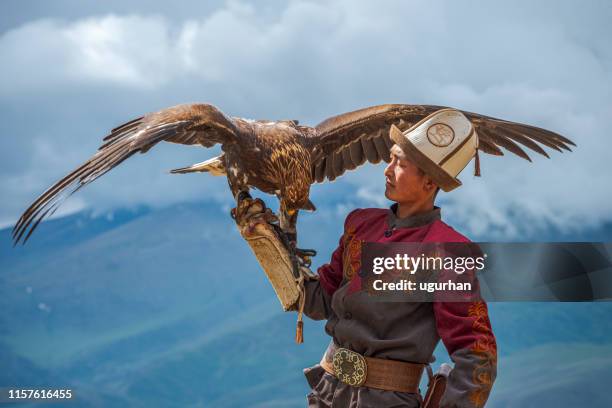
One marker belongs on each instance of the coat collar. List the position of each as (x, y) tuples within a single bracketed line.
[(412, 221)]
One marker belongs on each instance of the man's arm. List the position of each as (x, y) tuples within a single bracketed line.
[(329, 276), (465, 330)]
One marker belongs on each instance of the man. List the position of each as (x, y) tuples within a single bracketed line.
[(385, 345)]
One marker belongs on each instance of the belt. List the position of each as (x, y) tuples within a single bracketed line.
[(356, 370)]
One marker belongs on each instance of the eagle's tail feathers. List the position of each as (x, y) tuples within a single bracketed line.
[(214, 166)]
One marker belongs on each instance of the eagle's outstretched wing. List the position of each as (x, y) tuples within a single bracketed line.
[(188, 124), (346, 141)]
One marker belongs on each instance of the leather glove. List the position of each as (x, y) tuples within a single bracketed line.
[(285, 270)]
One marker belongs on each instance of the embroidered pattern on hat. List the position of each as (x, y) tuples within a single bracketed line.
[(440, 134)]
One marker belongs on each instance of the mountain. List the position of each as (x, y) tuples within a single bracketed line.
[(103, 302)]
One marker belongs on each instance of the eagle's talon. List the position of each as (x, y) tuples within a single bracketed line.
[(305, 261), (256, 206), (242, 196), (305, 256), (253, 211), (305, 252)]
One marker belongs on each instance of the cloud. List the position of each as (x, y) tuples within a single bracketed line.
[(546, 64), (129, 51)]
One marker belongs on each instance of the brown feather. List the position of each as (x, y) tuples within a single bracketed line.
[(543, 132), (549, 139), (320, 171), (370, 151), (502, 141), (388, 142), (124, 128), (329, 168), (489, 147), (347, 160), (338, 167), (357, 153), (518, 137), (381, 148)]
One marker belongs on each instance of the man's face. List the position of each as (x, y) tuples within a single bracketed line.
[(405, 182)]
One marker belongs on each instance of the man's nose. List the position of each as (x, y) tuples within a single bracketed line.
[(387, 171)]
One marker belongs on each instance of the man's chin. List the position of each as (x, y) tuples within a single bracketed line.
[(389, 194)]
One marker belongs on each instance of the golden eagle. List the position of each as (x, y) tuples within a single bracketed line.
[(277, 157)]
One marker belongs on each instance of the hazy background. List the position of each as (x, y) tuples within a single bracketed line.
[(138, 292)]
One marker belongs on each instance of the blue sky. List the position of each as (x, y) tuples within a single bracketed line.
[(73, 70)]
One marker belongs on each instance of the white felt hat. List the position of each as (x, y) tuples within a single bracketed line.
[(441, 145)]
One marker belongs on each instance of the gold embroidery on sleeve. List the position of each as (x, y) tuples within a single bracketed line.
[(351, 260), (485, 350)]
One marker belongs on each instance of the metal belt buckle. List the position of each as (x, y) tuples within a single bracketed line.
[(350, 367)]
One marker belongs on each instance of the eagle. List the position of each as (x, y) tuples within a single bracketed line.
[(281, 157)]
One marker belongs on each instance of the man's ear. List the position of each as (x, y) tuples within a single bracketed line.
[(429, 185)]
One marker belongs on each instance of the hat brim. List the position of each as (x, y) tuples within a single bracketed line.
[(444, 180)]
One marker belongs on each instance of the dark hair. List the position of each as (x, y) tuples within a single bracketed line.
[(436, 193)]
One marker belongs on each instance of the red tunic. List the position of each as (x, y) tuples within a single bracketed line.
[(407, 331)]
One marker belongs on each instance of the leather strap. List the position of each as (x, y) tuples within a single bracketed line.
[(389, 375), (435, 391)]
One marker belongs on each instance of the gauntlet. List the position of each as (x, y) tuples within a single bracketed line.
[(285, 270)]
